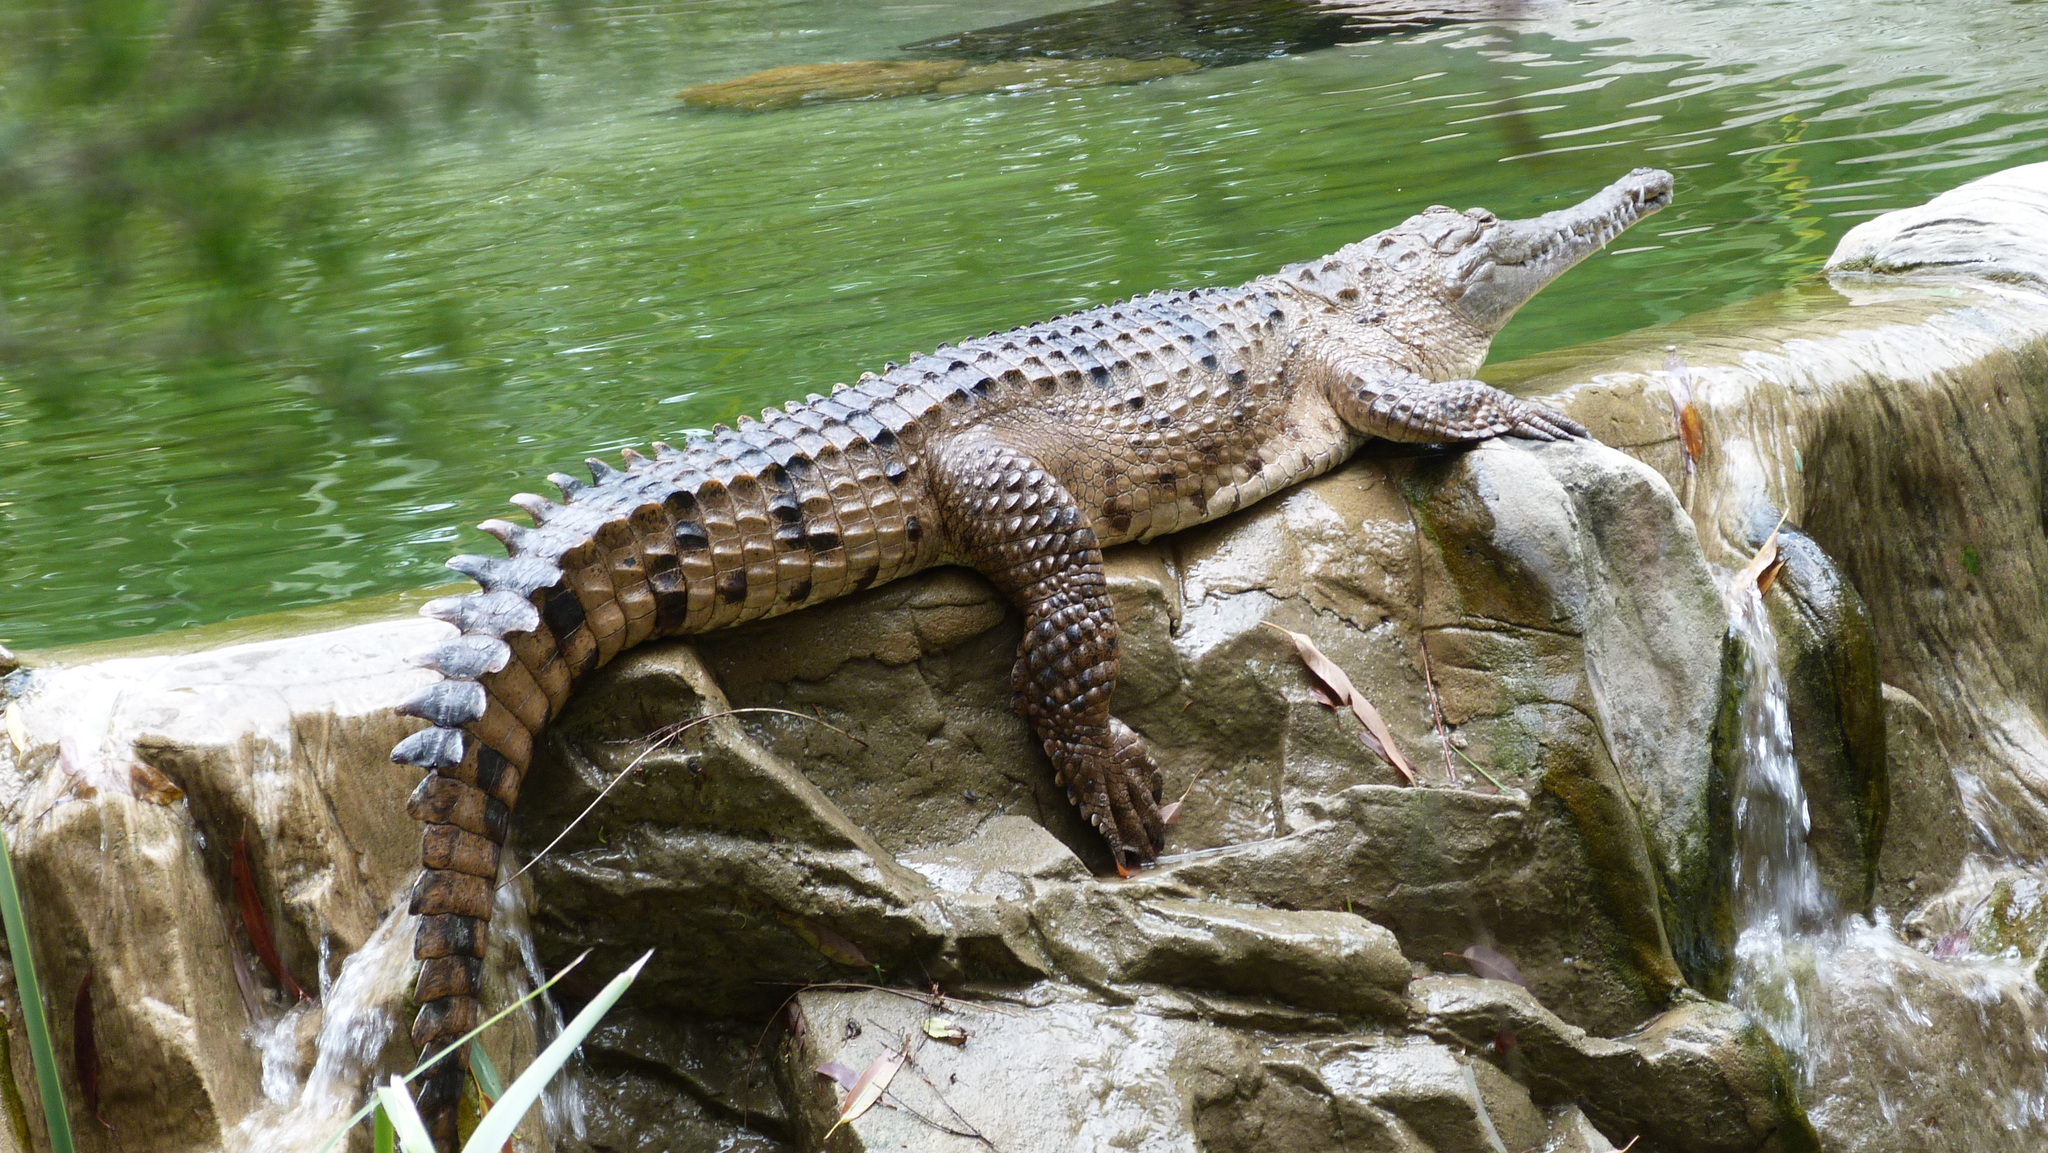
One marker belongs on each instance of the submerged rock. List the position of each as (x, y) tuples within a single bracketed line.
[(797, 84)]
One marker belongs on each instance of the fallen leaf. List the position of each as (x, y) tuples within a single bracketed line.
[(1169, 813), (152, 785), (255, 920), (945, 1029), (1491, 965), (869, 1089), (85, 1049), (1338, 686), (17, 732), (845, 1076), (1752, 573), (1692, 434), (821, 937), (1769, 576)]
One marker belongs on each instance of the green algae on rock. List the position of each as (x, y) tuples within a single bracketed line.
[(798, 84)]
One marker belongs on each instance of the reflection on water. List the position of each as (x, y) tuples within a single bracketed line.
[(291, 292)]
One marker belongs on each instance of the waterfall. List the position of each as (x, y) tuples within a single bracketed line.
[(1897, 1049), (1780, 908), (358, 1033)]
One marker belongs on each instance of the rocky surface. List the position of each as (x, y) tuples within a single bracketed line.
[(841, 842)]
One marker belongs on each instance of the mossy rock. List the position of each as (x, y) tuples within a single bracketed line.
[(1044, 72), (795, 84), (798, 84)]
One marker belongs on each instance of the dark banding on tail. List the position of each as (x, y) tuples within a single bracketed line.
[(804, 505)]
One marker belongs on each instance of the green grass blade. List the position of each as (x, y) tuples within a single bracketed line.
[(496, 1127), (383, 1138), (487, 1077), (40, 1051), (465, 1039), (405, 1117)]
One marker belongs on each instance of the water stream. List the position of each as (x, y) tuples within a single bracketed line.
[(358, 1031), (1851, 1002)]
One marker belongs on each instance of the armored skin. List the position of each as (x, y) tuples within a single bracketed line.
[(1021, 455)]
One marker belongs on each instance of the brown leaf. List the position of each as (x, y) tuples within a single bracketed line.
[(85, 1049), (256, 921), (1338, 686), (1491, 965), (1753, 572), (1169, 813), (1692, 434), (869, 1089), (845, 1076), (152, 785), (1769, 576), (821, 937)]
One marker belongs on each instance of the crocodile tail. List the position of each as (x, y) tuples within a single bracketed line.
[(746, 524)]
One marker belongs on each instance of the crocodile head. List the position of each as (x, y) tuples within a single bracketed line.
[(1480, 269)]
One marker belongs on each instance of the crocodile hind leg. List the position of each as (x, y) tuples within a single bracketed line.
[(1012, 520)]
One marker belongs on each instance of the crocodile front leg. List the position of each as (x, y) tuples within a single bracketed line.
[(1390, 402), (1012, 520)]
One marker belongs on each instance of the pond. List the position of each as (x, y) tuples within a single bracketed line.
[(292, 294)]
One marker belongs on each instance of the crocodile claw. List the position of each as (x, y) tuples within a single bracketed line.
[(1535, 422)]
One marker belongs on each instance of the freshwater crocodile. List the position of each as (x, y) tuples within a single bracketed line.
[(1021, 454)]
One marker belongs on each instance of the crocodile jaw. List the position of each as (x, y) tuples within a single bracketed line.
[(1505, 262)]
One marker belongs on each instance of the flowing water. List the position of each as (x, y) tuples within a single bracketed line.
[(1851, 1002), (290, 295)]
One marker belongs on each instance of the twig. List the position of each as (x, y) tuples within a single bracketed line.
[(1436, 708), (1482, 770), (655, 741)]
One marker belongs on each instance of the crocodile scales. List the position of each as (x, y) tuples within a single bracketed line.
[(1020, 454)]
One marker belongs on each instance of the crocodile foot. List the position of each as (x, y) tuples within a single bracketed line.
[(1116, 785)]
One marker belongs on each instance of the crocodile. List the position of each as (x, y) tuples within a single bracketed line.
[(1022, 455)]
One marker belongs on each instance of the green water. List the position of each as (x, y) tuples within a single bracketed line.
[(292, 294)]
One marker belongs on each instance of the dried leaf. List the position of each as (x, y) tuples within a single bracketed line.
[(152, 785), (1338, 686), (1770, 576), (1752, 573), (1169, 813), (17, 732), (256, 921), (842, 1074), (1692, 434), (85, 1049), (821, 937), (869, 1089), (945, 1029), (1491, 965)]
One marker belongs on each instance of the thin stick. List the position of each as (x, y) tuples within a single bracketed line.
[(663, 736), (1436, 708)]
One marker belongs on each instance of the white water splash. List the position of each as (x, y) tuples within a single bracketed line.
[(1895, 1050), (359, 1015), (1780, 908)]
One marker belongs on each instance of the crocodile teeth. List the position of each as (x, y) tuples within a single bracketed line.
[(467, 657), (494, 613), (520, 575), (430, 749), (447, 704)]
